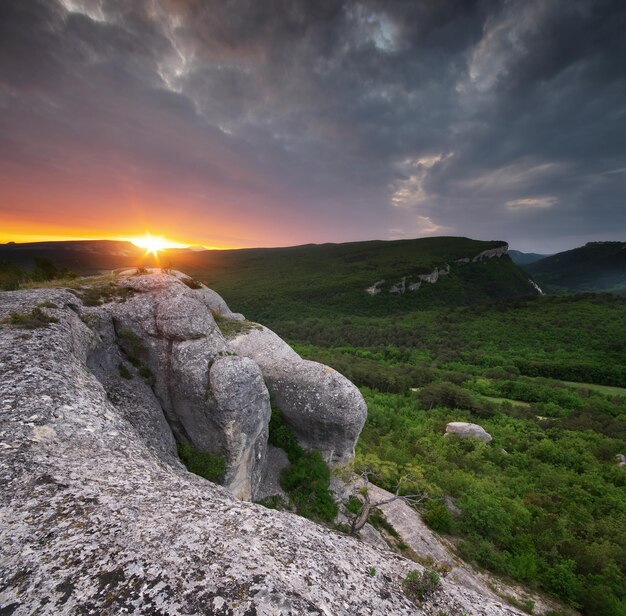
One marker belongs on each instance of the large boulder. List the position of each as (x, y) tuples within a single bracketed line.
[(323, 408), (167, 330), (468, 430)]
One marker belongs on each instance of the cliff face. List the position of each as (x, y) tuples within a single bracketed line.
[(98, 514)]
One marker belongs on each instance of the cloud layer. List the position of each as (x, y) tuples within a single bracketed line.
[(282, 122)]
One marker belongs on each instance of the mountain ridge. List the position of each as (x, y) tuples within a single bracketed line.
[(596, 266)]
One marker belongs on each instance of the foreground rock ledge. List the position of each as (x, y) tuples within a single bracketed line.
[(98, 516)]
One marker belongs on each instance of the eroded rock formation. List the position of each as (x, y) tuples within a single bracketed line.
[(325, 410), (98, 514)]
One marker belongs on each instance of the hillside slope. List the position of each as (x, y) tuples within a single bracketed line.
[(525, 258), (596, 266), (375, 278)]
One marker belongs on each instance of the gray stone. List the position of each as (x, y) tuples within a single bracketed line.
[(468, 430), (181, 316), (216, 304), (180, 341), (242, 413), (451, 507), (492, 253), (99, 516), (324, 409)]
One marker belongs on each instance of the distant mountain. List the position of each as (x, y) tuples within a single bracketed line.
[(524, 258), (357, 278), (596, 266), (81, 256)]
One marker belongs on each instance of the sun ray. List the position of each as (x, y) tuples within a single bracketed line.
[(153, 244)]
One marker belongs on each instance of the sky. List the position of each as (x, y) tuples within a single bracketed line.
[(265, 123)]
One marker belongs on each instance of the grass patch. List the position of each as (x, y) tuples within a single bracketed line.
[(202, 463), (92, 290), (420, 585), (130, 342), (147, 375), (34, 319), (69, 282), (231, 328), (47, 304), (603, 389)]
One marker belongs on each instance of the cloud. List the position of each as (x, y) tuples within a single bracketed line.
[(338, 119), (531, 202)]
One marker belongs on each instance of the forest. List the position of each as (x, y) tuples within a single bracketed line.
[(545, 502)]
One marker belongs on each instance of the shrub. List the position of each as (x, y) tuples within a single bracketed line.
[(124, 371), (281, 435), (437, 517), (307, 479), (202, 463), (446, 395), (420, 585), (130, 342), (147, 375)]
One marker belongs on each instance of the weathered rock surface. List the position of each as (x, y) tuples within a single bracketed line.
[(324, 409), (492, 253), (468, 430), (98, 516), (168, 328)]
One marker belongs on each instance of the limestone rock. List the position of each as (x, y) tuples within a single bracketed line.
[(375, 289), (468, 430), (324, 409), (451, 506), (242, 413), (492, 253), (168, 328), (181, 316), (100, 517), (216, 304)]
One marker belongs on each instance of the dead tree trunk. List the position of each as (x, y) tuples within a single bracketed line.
[(360, 519)]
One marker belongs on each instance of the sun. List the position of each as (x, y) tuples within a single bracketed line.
[(153, 244)]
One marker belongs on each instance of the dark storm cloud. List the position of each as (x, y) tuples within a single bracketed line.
[(342, 120)]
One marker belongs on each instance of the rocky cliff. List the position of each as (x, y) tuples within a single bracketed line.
[(98, 514)]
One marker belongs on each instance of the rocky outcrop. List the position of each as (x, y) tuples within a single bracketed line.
[(325, 410), (492, 253), (408, 282), (468, 430), (215, 402), (399, 287), (100, 517), (375, 289)]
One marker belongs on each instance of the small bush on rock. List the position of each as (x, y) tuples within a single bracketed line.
[(202, 463), (307, 479), (420, 585)]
